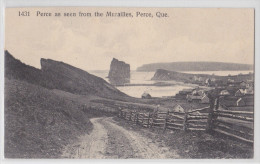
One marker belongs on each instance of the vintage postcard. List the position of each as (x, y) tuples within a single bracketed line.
[(129, 83)]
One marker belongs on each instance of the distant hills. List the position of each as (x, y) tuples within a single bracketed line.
[(195, 66), (165, 75)]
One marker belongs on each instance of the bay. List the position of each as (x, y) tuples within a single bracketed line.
[(158, 91)]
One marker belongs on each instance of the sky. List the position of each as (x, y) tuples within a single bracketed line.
[(90, 43)]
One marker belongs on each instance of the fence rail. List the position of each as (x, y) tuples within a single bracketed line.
[(235, 124), (167, 120)]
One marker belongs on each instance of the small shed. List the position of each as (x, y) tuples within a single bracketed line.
[(146, 96)]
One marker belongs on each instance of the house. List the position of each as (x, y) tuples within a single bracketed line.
[(224, 93), (193, 98), (198, 98), (207, 81), (178, 108), (231, 81), (250, 84), (231, 101), (210, 82), (204, 99), (195, 78), (249, 91), (186, 107), (185, 91), (213, 79), (198, 92), (243, 84), (240, 93), (146, 96)]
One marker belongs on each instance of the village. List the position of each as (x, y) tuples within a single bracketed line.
[(232, 94), (226, 110)]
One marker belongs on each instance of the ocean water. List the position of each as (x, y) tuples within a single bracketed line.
[(220, 73), (154, 91), (158, 91)]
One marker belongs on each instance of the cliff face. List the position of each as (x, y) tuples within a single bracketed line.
[(59, 75), (119, 73), (75, 80), (165, 75)]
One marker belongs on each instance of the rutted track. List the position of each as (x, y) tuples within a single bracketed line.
[(109, 140)]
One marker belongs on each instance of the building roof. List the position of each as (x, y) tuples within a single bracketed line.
[(228, 101), (146, 94), (191, 106), (205, 96), (241, 91)]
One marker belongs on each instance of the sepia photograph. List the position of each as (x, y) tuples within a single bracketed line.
[(129, 83)]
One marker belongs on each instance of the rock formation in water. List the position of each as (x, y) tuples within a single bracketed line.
[(119, 73)]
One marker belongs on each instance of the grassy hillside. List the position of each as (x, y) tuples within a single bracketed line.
[(39, 123), (195, 66)]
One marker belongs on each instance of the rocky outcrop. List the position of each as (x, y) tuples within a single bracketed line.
[(119, 73), (164, 75), (62, 76)]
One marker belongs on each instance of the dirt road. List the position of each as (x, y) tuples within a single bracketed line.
[(111, 141)]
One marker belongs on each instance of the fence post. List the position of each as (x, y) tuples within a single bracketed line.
[(166, 119), (130, 116), (124, 113), (148, 126), (185, 121), (153, 118), (120, 113), (137, 116), (143, 120), (211, 116)]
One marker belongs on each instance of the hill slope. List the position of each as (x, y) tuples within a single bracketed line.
[(195, 66), (59, 75), (39, 123)]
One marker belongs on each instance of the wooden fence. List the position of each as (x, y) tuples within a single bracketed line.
[(236, 124), (98, 109), (193, 120)]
